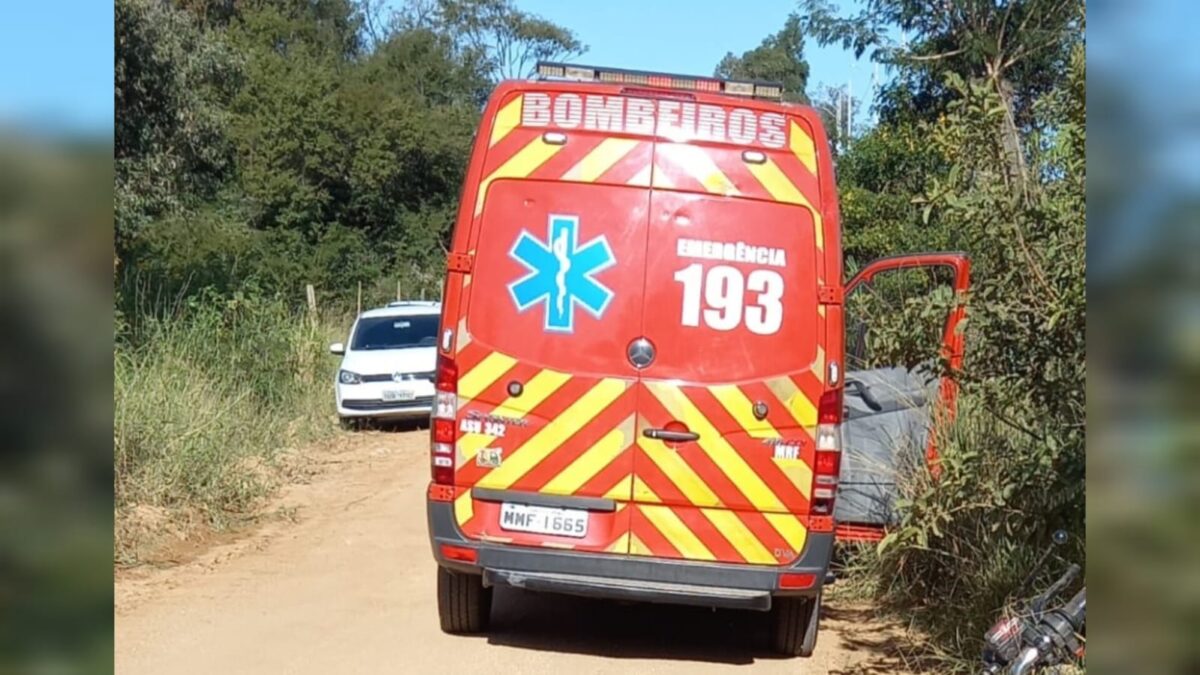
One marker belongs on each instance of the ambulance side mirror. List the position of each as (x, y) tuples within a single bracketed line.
[(337, 349)]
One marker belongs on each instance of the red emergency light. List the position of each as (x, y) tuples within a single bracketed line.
[(548, 70)]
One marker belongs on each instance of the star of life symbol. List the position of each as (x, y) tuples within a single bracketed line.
[(561, 273)]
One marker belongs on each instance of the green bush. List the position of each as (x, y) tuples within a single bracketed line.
[(968, 539)]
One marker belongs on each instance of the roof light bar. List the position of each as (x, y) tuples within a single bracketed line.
[(548, 70)]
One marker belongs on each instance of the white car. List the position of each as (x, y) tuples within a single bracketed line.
[(388, 366)]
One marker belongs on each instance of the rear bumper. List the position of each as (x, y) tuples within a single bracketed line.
[(625, 577)]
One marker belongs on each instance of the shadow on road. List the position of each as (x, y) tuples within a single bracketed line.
[(547, 622), (400, 425)]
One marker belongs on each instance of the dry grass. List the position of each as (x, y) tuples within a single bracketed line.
[(206, 398)]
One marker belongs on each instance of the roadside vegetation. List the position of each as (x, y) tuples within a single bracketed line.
[(208, 397), (269, 144), (979, 147), (260, 147)]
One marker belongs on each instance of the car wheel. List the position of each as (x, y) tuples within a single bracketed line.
[(464, 604), (350, 423), (794, 624)]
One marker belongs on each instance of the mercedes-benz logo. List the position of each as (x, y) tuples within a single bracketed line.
[(641, 353), (397, 377)]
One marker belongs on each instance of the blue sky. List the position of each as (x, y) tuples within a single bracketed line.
[(58, 55), (58, 64), (691, 36)]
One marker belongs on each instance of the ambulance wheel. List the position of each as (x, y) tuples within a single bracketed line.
[(464, 605), (794, 625), (350, 423)]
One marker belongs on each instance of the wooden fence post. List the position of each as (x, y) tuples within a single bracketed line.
[(311, 294)]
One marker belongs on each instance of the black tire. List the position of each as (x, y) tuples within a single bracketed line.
[(350, 423), (464, 605), (794, 625)]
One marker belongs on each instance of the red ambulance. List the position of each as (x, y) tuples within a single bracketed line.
[(640, 370)]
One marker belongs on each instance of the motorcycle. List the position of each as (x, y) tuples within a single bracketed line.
[(1034, 636)]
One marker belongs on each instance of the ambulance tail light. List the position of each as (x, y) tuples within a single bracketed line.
[(827, 460), (444, 430)]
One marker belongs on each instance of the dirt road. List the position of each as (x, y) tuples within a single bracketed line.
[(346, 584)]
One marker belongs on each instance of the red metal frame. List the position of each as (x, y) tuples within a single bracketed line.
[(953, 348)]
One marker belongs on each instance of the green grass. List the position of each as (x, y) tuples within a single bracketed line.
[(206, 398)]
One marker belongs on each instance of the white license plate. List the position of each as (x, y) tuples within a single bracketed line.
[(544, 520), (399, 394)]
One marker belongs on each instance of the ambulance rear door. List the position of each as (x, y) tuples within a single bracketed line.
[(727, 407), (546, 394)]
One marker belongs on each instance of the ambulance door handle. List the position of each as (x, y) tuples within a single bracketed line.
[(671, 435)]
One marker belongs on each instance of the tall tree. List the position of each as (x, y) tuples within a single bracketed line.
[(173, 83), (779, 58), (1017, 48), (509, 41)]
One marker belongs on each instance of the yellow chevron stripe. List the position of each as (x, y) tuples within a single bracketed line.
[(818, 368), (732, 528), (549, 437), (519, 165), (700, 165), (641, 178), (621, 545), (681, 537), (600, 159), (680, 472), (464, 508), (506, 120), (643, 494), (621, 491), (794, 400), (790, 528), (716, 447), (637, 547), (537, 389), (804, 148), (484, 374), (735, 402), (782, 189), (464, 336), (777, 183), (799, 473), (591, 462)]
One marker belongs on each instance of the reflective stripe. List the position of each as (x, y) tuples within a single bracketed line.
[(698, 164), (679, 472), (803, 148), (464, 508), (601, 159), (550, 437), (801, 409), (483, 375), (676, 532), (716, 447), (732, 528), (590, 463), (790, 528), (537, 389), (739, 407), (782, 189), (506, 120), (519, 165)]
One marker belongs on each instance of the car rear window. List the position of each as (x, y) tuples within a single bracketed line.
[(395, 332)]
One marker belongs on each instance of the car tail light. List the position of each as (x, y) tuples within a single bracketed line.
[(827, 460), (796, 580), (445, 413), (459, 553)]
